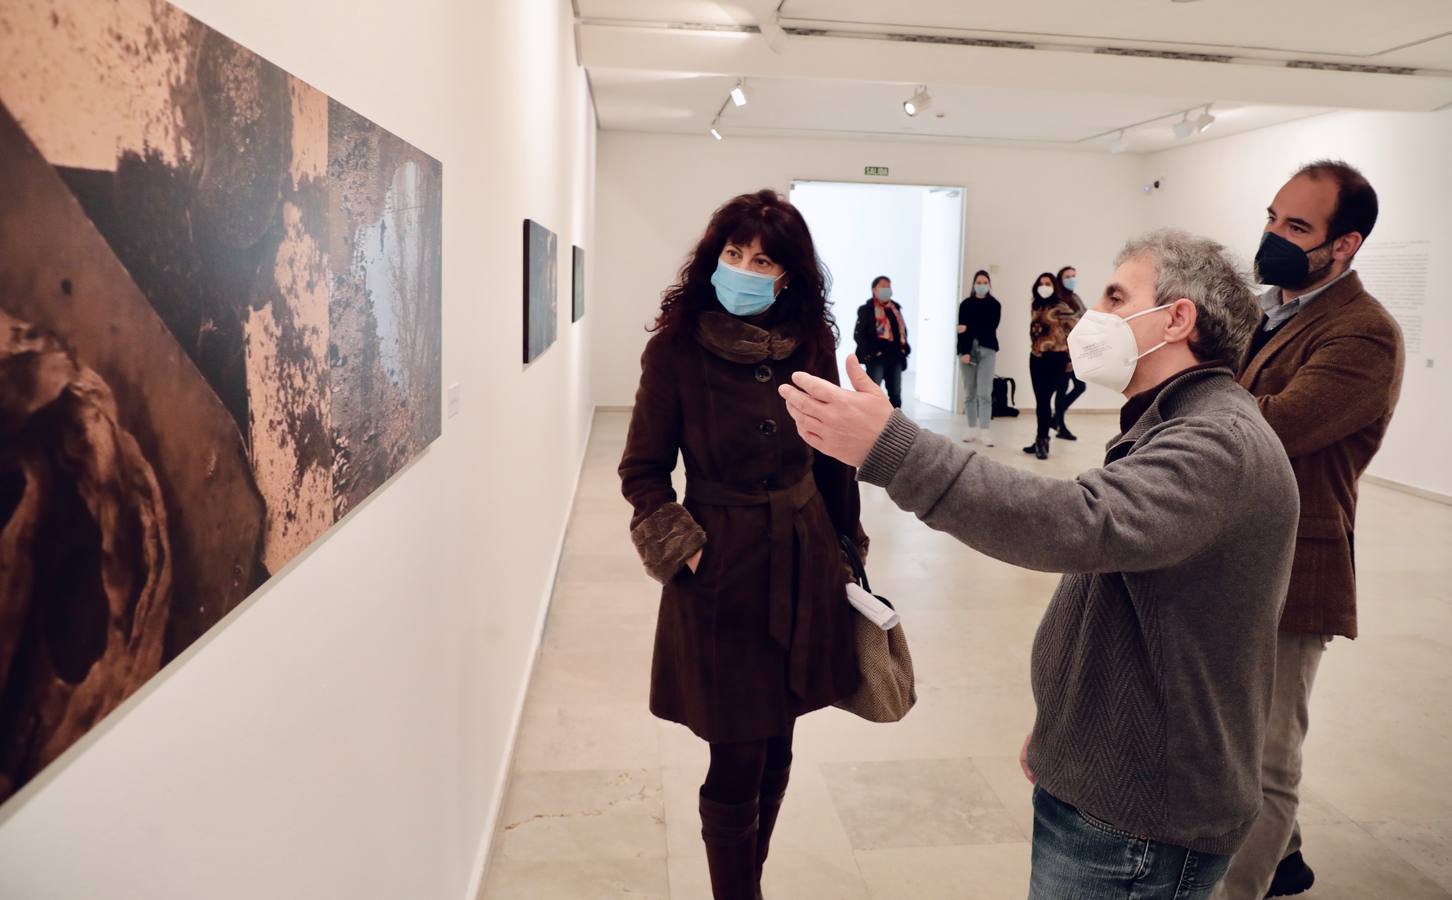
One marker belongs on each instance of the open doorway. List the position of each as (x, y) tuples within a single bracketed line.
[(913, 234)]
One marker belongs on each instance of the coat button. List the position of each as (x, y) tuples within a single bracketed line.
[(763, 374), (767, 427)]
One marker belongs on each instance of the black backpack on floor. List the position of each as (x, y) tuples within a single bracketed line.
[(1005, 394)]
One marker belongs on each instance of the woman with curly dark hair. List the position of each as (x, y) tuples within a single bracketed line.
[(754, 629)]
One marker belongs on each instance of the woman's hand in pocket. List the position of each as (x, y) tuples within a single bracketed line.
[(694, 562)]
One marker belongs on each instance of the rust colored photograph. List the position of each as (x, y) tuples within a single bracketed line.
[(220, 331)]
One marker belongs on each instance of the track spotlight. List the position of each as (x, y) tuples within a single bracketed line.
[(738, 96), (1203, 123), (1117, 145), (1184, 128), (715, 133), (920, 101)]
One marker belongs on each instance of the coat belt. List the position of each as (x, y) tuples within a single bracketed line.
[(789, 622)]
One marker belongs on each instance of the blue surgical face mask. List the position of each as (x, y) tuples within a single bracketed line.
[(882, 293), (743, 293), (1071, 282), (980, 291)]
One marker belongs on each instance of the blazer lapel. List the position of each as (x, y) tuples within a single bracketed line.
[(1341, 293)]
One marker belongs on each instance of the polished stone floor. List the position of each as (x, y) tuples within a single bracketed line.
[(601, 802)]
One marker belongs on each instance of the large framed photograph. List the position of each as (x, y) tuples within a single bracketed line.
[(220, 331)]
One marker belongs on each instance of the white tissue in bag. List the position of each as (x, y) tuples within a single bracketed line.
[(879, 613)]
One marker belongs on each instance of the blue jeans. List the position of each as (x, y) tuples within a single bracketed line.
[(1078, 857), (978, 385)]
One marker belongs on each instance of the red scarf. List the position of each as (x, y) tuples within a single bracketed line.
[(884, 328)]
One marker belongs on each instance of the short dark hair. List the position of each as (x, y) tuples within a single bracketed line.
[(879, 280), (1356, 205)]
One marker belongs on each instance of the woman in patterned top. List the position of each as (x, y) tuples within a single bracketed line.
[(1050, 322)]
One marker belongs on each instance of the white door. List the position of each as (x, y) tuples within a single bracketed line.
[(935, 347)]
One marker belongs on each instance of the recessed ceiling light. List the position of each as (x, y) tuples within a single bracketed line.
[(738, 96)]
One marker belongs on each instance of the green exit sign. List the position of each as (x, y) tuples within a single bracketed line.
[(876, 170)]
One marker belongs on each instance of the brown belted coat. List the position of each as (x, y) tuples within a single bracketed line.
[(762, 632)]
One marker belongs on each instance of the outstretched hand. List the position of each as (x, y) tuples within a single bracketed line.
[(842, 423)]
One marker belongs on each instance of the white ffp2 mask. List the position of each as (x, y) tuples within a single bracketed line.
[(1103, 350)]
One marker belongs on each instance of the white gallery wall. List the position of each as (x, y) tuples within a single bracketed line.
[(1221, 189), (346, 731), (1027, 211)]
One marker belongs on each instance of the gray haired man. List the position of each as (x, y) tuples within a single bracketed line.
[(1152, 669)]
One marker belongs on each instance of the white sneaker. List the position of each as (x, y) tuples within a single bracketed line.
[(972, 438), (986, 438)]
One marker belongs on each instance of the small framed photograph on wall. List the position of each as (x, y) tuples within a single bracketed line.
[(578, 286), (541, 289)]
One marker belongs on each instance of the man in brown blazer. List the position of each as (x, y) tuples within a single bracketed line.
[(1325, 366)]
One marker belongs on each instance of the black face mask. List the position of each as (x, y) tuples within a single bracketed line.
[(1283, 264)]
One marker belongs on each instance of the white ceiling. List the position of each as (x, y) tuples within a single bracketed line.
[(843, 67), (1371, 33), (686, 104)]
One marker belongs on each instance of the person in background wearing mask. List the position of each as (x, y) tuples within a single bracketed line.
[(1050, 320), (1325, 365), (1065, 283), (978, 317), (754, 631), (881, 337), (1153, 666)]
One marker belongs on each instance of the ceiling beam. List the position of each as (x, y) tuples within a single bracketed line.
[(745, 54)]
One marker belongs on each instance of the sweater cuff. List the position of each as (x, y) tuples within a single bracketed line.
[(892, 447), (666, 540)]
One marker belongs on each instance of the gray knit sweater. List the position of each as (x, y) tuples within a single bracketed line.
[(1153, 667)]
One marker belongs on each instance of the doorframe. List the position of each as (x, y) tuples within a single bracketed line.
[(962, 238)]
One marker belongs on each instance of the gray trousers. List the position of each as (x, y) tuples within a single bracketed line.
[(978, 385), (1276, 833)]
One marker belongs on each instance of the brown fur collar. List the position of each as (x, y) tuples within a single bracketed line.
[(741, 342)]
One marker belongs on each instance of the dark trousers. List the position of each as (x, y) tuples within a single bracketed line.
[(1064, 398), (889, 370), (1050, 372), (737, 769)]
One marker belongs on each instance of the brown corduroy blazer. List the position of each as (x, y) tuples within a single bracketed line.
[(1327, 382)]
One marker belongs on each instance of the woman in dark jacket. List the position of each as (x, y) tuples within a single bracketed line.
[(882, 339), (754, 627), (1065, 283), (978, 317), (1050, 321)]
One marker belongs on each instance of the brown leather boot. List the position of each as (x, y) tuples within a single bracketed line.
[(729, 831), (773, 792)]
